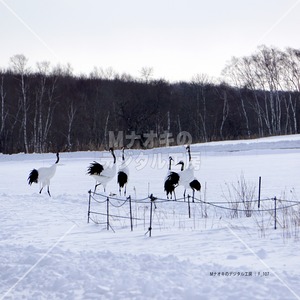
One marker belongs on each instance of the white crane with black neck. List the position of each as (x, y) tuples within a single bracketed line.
[(187, 178), (43, 175), (123, 174), (102, 174)]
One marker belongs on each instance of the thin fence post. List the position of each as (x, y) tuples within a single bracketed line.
[(107, 213), (189, 206), (150, 226), (130, 211), (275, 213), (259, 188), (152, 199), (89, 206)]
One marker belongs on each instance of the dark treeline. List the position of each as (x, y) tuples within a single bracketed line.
[(50, 109)]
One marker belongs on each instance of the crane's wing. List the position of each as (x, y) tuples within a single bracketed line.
[(95, 169)]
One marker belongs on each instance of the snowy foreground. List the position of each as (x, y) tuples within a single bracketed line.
[(49, 251)]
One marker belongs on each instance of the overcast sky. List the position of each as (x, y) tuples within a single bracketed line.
[(178, 38)]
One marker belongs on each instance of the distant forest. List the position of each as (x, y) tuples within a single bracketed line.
[(50, 109)]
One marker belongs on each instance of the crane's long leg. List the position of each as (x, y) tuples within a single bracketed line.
[(96, 186), (48, 191), (41, 187)]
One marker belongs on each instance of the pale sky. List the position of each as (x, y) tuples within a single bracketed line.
[(178, 39)]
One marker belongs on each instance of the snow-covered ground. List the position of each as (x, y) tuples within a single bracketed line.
[(49, 251)]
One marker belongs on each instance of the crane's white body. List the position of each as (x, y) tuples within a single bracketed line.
[(106, 175), (103, 174), (186, 176), (45, 174)]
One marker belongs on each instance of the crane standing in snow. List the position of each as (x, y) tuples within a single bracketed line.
[(43, 175), (123, 174), (194, 184), (171, 181), (187, 175), (187, 178), (102, 174)]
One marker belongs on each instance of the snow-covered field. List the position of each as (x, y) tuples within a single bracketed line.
[(49, 251)]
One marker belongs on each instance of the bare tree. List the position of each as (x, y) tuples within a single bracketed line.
[(3, 110), (44, 105), (71, 116), (146, 73), (200, 82), (43, 71), (106, 138), (268, 62), (63, 70), (19, 66), (225, 112), (100, 73), (291, 75), (235, 75), (267, 73)]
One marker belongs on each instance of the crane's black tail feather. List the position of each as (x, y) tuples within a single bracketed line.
[(33, 177)]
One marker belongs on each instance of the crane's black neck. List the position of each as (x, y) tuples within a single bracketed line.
[(123, 158), (189, 152), (170, 160), (57, 158), (113, 154), (182, 166)]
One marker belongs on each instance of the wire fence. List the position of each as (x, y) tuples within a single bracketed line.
[(189, 212)]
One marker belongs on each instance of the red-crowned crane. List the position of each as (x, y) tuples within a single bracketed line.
[(123, 174), (102, 174), (43, 175), (171, 181), (187, 179)]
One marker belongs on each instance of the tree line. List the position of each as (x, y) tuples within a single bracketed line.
[(50, 109)]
